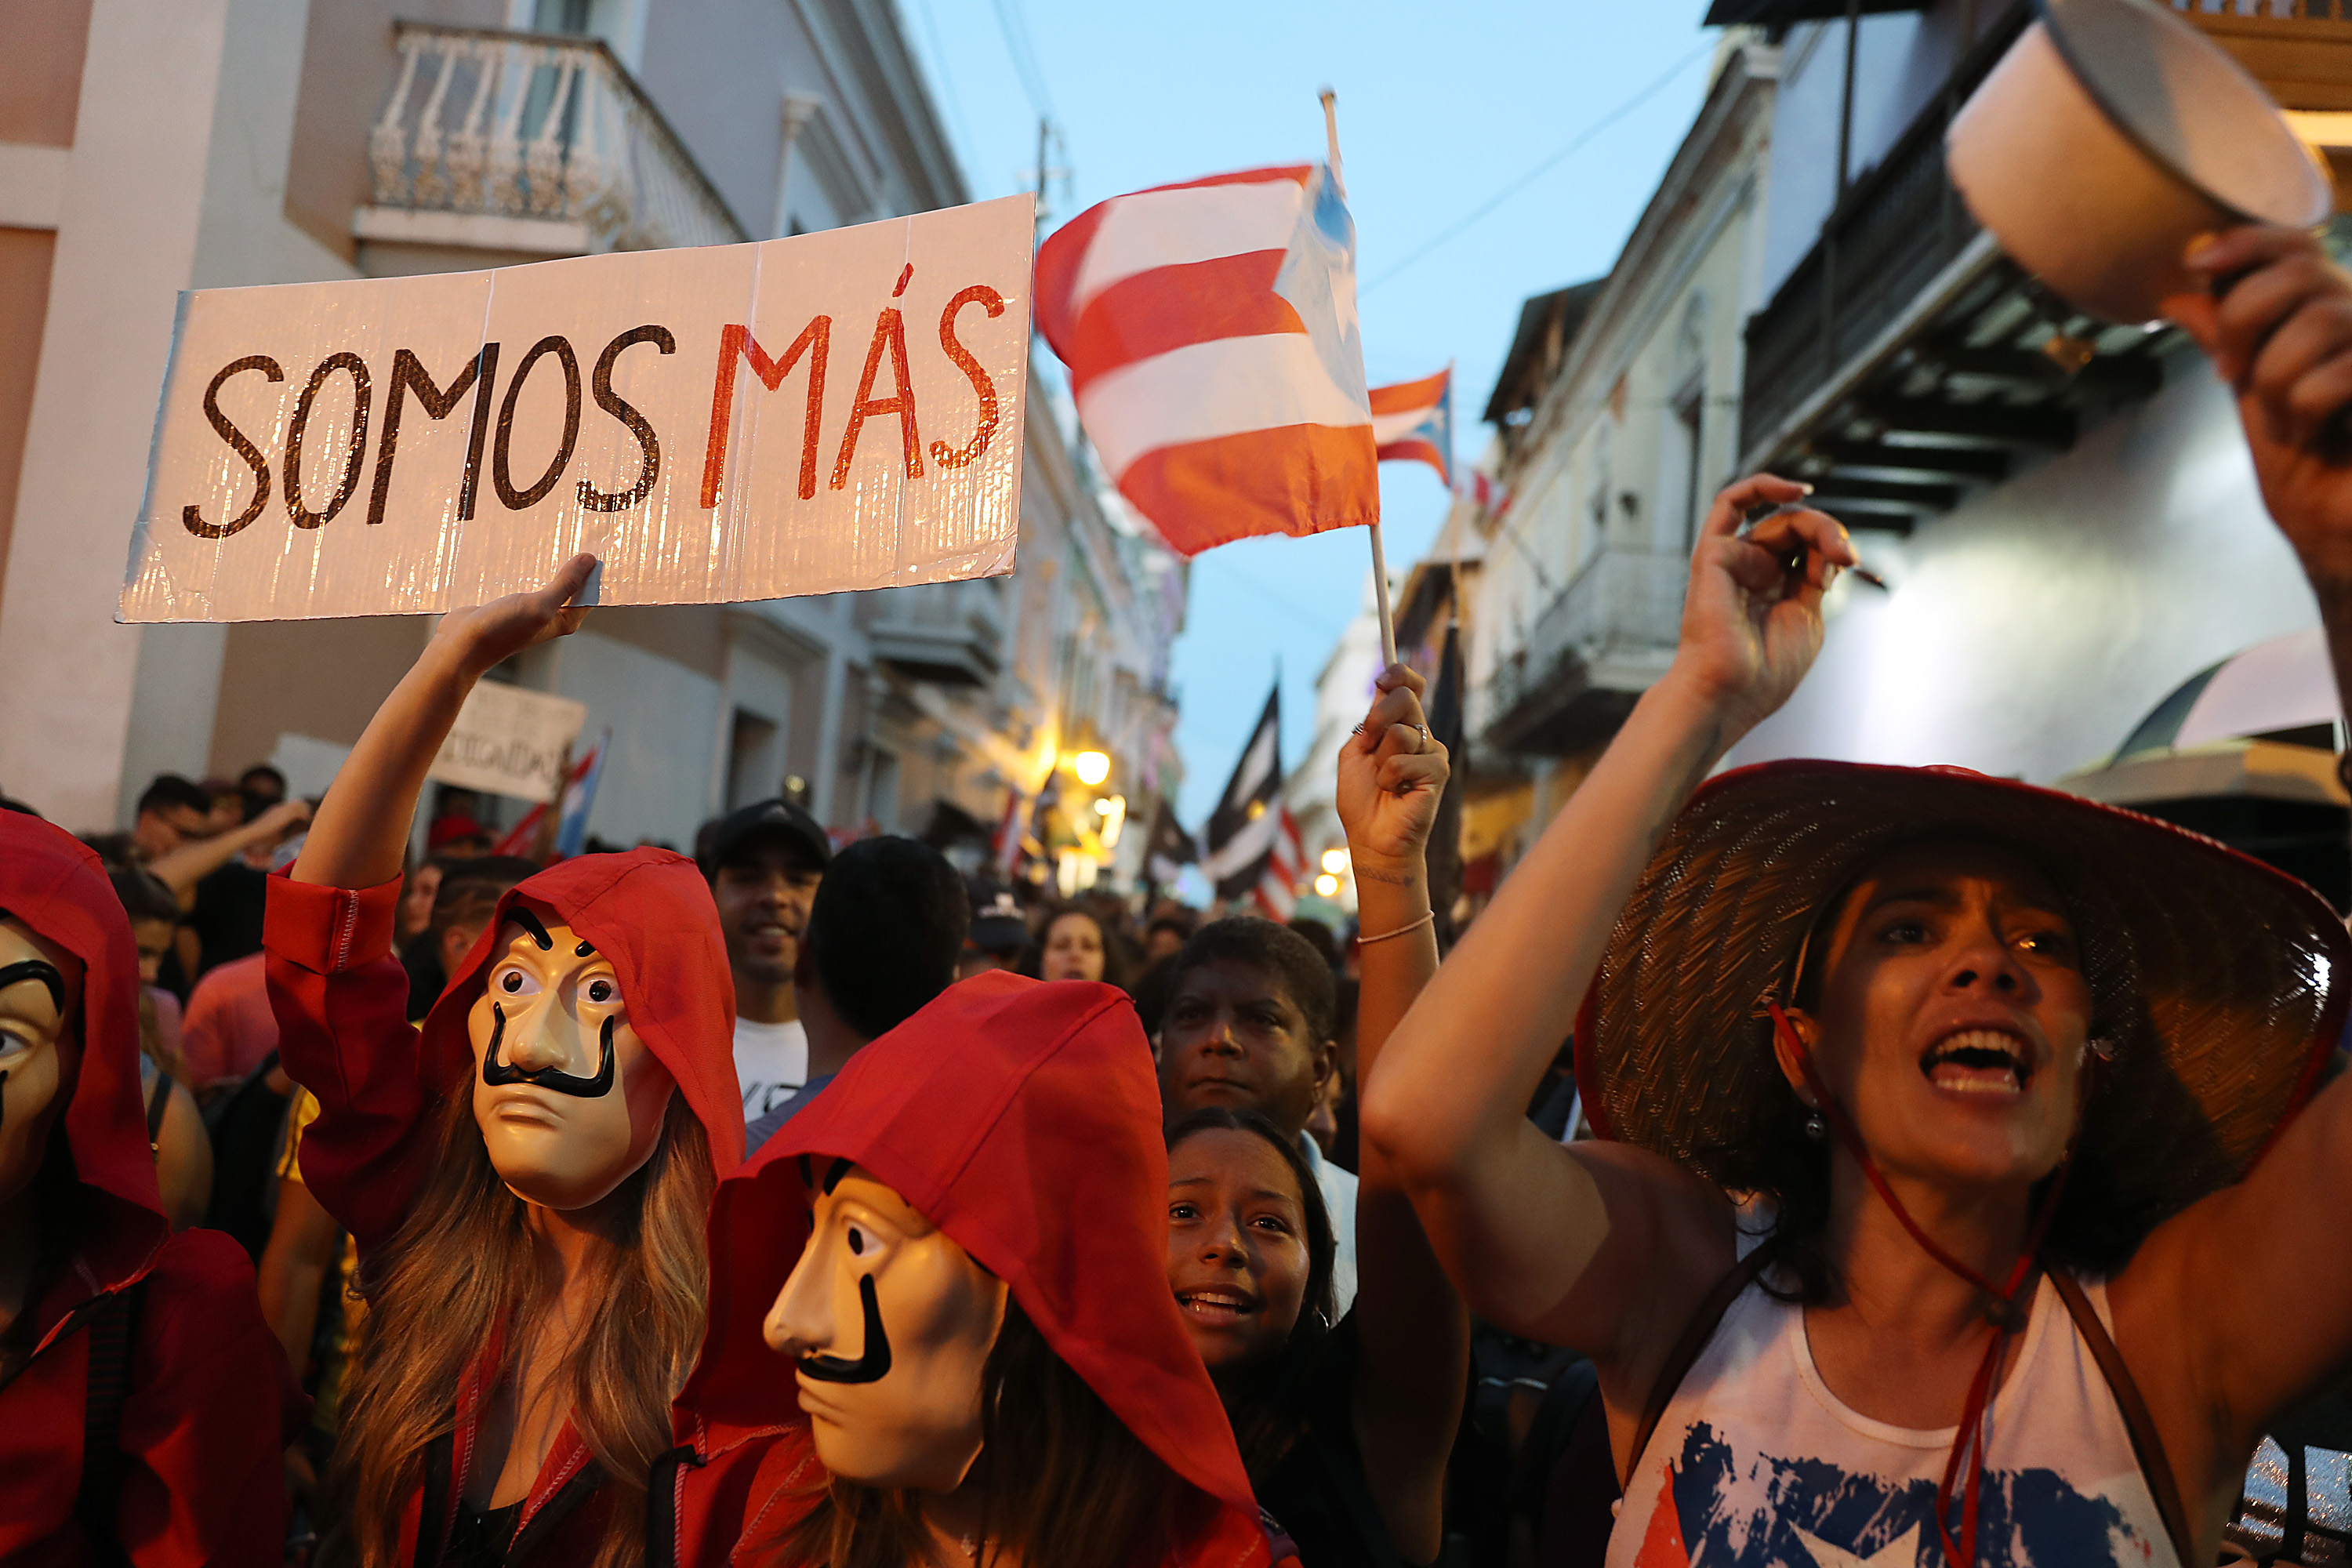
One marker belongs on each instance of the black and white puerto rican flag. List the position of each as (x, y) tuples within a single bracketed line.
[(1170, 849), (1243, 830)]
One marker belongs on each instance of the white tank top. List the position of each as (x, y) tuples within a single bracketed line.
[(1756, 1464)]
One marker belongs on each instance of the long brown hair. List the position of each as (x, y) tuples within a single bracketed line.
[(464, 1263), (1068, 1485)]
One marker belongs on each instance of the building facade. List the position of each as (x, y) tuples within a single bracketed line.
[(1616, 419), (164, 145), (2067, 511), (2064, 510)]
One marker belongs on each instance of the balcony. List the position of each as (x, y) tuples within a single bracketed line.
[(538, 144), (1906, 362), (951, 634), (1596, 647)]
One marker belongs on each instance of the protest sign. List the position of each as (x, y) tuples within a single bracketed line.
[(510, 740), (834, 410)]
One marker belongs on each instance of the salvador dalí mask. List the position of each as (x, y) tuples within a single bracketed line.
[(568, 1098), (40, 986), (891, 1323)]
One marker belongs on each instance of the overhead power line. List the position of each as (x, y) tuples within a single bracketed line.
[(1524, 181), (1025, 58), (947, 77)]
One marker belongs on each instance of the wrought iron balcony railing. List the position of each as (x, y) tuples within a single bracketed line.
[(952, 633), (1590, 652), (538, 126)]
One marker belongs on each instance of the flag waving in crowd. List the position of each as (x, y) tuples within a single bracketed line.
[(1248, 819), (1413, 421), (572, 810), (1171, 848), (1211, 332)]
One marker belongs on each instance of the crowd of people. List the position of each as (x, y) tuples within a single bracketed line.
[(1944, 1176)]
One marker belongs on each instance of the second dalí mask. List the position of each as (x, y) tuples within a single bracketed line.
[(890, 1324)]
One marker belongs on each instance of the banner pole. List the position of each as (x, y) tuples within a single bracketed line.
[(1379, 563)]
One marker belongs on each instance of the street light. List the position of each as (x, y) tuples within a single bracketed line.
[(1326, 884), (1335, 861), (1092, 768)]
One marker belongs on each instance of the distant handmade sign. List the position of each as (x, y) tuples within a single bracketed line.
[(398, 445), (510, 740)]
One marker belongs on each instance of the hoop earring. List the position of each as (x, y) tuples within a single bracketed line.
[(2102, 1047), (1815, 1127)]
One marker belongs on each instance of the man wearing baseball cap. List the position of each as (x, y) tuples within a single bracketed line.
[(763, 863)]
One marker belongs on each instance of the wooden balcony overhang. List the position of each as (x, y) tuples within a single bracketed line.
[(2000, 376), (1782, 12), (1905, 361)]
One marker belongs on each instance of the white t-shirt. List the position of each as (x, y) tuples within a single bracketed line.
[(771, 1062), (1757, 1462), (1338, 1186)]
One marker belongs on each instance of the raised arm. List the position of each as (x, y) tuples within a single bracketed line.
[(192, 862), (363, 824), (1413, 1334), (2242, 1304), (1573, 1246), (340, 997)]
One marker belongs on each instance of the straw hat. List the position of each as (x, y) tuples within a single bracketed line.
[(2219, 981)]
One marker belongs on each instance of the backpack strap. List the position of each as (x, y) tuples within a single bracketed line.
[(113, 1330), (1685, 1353), (661, 1507), (2146, 1446)]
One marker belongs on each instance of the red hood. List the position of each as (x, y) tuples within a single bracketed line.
[(650, 912), (51, 881), (1021, 1118)]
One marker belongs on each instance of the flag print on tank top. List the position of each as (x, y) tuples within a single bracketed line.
[(1757, 1464)]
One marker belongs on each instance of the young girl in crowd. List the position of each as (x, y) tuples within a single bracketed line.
[(1926, 1221), (1345, 1427), (527, 1178), (940, 1327), (143, 1406)]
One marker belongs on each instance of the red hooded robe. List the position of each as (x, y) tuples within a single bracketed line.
[(202, 1442), (341, 1003), (1023, 1120)]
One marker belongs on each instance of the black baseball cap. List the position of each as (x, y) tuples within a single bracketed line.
[(997, 925), (779, 818)]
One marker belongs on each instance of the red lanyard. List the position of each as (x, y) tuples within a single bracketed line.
[(2001, 1306)]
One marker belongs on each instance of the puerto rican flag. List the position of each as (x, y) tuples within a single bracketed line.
[(579, 798), (1278, 890), (1211, 332), (1413, 421), (571, 824), (1011, 829)]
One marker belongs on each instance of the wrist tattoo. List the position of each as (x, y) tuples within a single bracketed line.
[(1387, 878)]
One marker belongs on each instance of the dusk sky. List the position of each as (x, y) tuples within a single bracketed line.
[(1439, 112)]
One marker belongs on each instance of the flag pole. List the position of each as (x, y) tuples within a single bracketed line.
[(1379, 563)]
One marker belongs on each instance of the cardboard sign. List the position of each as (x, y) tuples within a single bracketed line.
[(510, 740), (835, 411)]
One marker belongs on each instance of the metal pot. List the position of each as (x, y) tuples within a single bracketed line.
[(2112, 134)]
